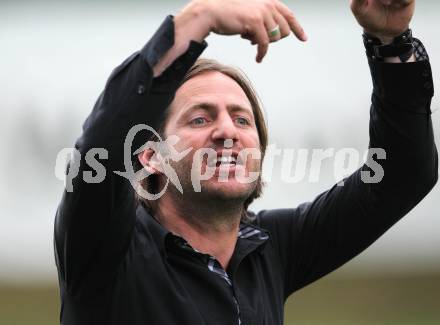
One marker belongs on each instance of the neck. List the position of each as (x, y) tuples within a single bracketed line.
[(209, 226)]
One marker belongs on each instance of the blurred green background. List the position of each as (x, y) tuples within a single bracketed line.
[(408, 300), (56, 57)]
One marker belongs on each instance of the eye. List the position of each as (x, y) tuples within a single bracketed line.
[(242, 121), (198, 121)]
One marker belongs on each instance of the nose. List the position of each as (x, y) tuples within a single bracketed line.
[(225, 129)]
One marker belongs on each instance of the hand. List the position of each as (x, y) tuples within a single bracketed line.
[(384, 19), (252, 19)]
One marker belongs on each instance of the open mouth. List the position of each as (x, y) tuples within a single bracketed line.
[(224, 161)]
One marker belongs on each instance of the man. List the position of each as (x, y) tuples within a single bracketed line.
[(197, 256)]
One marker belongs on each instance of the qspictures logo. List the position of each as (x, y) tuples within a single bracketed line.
[(207, 163)]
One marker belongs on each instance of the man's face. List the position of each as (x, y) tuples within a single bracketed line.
[(208, 110)]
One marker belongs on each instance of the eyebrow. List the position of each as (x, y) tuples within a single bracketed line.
[(212, 106)]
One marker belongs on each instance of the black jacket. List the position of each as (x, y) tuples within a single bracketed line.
[(117, 265)]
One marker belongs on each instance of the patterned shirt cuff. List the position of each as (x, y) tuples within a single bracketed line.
[(419, 50)]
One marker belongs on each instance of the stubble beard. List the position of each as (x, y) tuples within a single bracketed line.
[(213, 196)]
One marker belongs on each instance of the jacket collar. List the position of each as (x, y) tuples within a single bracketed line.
[(250, 236)]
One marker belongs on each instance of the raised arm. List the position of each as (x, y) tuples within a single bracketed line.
[(95, 221), (319, 236)]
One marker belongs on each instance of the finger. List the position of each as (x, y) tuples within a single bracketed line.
[(292, 21), (397, 3), (272, 25), (262, 39), (284, 25)]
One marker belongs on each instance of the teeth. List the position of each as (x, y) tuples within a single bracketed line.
[(225, 160), (222, 160)]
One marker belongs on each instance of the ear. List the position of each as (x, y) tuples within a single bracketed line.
[(151, 162)]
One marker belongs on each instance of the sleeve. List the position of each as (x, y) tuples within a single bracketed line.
[(95, 221), (319, 236)]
